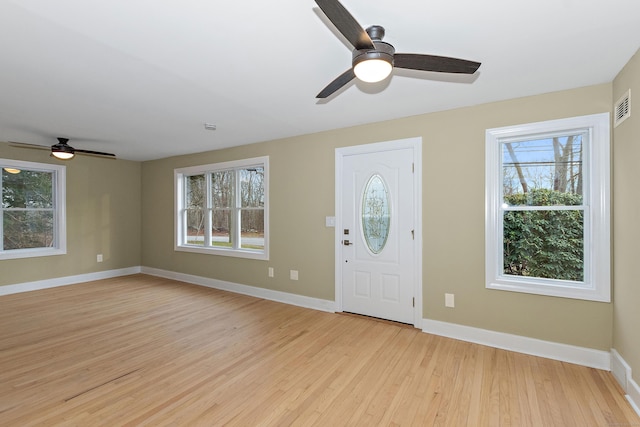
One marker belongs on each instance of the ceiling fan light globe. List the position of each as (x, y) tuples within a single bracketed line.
[(62, 155), (372, 70)]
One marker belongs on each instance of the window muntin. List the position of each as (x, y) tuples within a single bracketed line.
[(222, 208), (32, 220), (547, 199)]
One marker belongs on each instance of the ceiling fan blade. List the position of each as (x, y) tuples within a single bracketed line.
[(31, 146), (340, 81), (94, 153), (440, 64), (62, 141), (346, 24)]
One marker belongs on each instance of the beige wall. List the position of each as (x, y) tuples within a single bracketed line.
[(302, 194), (626, 221), (103, 216)]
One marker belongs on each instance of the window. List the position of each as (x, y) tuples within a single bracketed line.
[(32, 220), (222, 208), (376, 216), (547, 208)]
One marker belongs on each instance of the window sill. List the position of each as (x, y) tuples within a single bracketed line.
[(31, 253), (568, 290), (237, 253)]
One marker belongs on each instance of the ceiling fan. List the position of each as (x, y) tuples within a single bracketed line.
[(373, 59), (62, 150)]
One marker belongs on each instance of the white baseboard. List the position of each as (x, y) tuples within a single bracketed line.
[(620, 369), (633, 395), (566, 353), (284, 297), (622, 373), (64, 281)]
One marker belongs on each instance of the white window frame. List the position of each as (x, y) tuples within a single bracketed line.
[(59, 208), (597, 252), (179, 226)]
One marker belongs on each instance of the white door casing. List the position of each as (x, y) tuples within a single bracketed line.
[(386, 284)]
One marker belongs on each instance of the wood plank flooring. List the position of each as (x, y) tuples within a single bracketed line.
[(146, 351)]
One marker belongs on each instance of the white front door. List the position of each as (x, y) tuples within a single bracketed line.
[(377, 229)]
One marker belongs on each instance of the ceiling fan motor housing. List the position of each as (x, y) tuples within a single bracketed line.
[(383, 51), (62, 147)]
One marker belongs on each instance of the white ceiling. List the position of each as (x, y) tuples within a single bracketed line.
[(139, 78)]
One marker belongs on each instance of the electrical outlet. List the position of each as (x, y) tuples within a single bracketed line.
[(293, 274), (449, 300), (271, 273), (99, 258)]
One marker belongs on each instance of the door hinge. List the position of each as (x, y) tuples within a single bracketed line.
[(413, 167), (413, 234), (414, 301)]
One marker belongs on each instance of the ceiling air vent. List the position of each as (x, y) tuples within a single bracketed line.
[(622, 109)]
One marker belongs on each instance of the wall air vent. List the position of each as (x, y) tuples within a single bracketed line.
[(622, 109)]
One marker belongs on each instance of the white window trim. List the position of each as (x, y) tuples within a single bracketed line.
[(597, 284), (60, 215), (179, 244)]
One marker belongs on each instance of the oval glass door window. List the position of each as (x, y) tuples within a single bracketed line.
[(376, 215)]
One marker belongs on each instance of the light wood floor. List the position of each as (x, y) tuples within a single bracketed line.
[(147, 351)]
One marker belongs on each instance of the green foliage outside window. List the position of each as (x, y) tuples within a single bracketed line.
[(544, 243)]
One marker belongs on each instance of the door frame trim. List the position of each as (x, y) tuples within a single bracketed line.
[(412, 143)]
